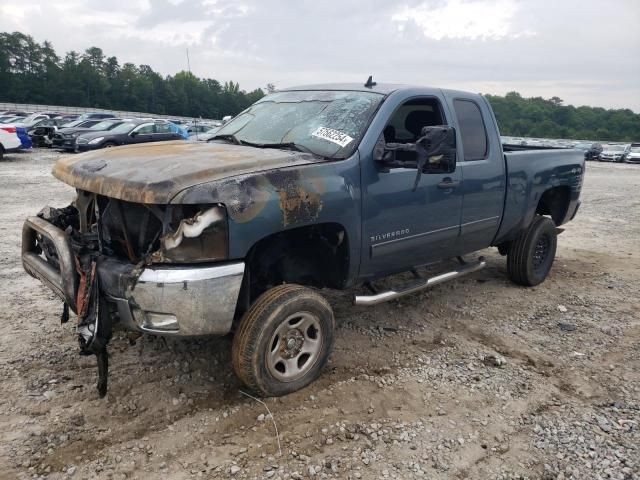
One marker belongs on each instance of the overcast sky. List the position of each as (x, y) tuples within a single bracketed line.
[(587, 52)]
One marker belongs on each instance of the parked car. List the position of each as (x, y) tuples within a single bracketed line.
[(25, 140), (96, 115), (208, 135), (584, 146), (613, 153), (11, 119), (79, 123), (42, 131), (198, 129), (65, 137), (132, 131), (31, 120), (353, 184), (9, 141), (55, 115), (14, 113), (633, 156), (593, 153)]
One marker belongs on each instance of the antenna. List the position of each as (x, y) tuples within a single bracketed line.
[(370, 83)]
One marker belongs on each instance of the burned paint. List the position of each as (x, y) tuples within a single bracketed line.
[(299, 201), (245, 198), (297, 193), (157, 173)]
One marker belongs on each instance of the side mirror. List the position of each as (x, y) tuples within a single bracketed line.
[(437, 149), (133, 134), (434, 151)]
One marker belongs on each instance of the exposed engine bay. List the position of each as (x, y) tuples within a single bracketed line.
[(102, 230)]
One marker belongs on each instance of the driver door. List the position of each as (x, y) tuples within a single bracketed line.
[(403, 227), (143, 133)]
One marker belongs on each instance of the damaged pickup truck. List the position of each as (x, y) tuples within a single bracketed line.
[(326, 186)]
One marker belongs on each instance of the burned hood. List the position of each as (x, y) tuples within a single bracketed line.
[(155, 173)]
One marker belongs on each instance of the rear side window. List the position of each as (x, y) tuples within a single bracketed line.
[(472, 129)]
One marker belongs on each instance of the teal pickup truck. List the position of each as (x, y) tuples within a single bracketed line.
[(324, 186)]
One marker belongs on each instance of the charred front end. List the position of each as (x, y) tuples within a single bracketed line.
[(154, 268)]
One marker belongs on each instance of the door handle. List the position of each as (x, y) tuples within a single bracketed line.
[(448, 183)]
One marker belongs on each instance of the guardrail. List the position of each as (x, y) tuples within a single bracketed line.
[(29, 107)]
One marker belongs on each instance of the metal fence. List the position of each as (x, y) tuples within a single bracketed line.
[(80, 110)]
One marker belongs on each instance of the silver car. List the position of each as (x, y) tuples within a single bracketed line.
[(613, 153), (633, 156)]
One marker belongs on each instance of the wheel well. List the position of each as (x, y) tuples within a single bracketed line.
[(316, 256), (554, 202)]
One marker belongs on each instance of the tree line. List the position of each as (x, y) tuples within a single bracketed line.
[(31, 72), (541, 118)]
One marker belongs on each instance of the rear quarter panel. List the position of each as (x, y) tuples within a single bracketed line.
[(9, 141), (529, 174)]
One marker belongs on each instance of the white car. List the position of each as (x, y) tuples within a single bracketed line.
[(634, 154), (9, 141)]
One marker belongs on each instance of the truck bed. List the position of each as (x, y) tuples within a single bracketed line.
[(529, 173), (513, 147)]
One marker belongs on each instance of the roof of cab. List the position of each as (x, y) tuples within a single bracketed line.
[(382, 88)]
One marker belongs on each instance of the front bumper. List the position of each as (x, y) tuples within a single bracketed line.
[(65, 143), (173, 300), (183, 301), (85, 147)]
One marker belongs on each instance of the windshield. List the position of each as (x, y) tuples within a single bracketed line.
[(615, 148), (75, 123), (635, 149), (103, 125), (325, 123), (32, 118), (124, 127)]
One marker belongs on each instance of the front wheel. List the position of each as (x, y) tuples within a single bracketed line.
[(532, 253), (283, 340)]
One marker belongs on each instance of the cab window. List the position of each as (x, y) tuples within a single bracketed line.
[(408, 120), (472, 129)]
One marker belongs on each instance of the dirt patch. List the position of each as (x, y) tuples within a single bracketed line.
[(407, 393)]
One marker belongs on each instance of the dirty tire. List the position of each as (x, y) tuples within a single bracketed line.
[(260, 334), (532, 253)]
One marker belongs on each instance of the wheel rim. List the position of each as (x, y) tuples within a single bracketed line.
[(541, 253), (294, 347)]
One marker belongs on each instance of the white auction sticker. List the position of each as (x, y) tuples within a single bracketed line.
[(332, 135)]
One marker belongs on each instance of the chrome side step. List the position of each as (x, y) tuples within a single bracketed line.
[(464, 269)]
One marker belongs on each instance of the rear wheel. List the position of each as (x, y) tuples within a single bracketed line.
[(283, 341), (1, 152), (532, 253)]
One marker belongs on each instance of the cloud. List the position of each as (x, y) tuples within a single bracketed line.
[(462, 19), (542, 47)]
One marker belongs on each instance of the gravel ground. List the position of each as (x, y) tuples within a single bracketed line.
[(475, 379)]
